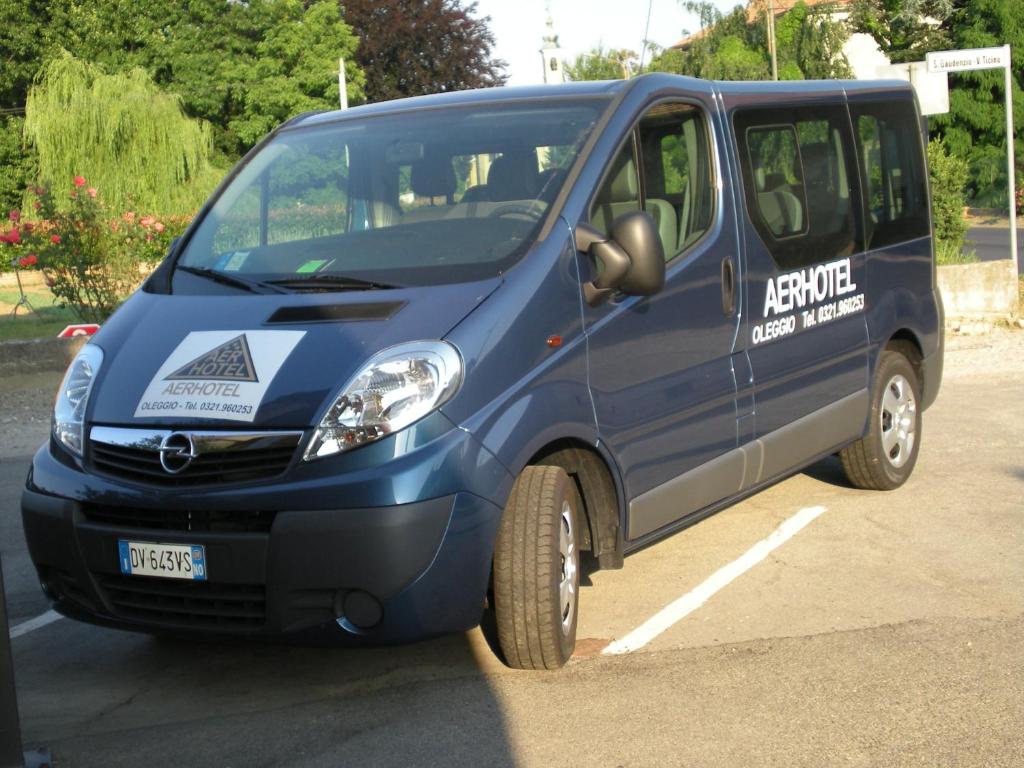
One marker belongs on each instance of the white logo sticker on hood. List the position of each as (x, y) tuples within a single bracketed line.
[(218, 375)]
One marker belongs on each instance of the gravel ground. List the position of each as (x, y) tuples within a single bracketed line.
[(26, 399)]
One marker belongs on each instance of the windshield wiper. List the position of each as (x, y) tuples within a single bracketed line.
[(328, 282), (253, 286)]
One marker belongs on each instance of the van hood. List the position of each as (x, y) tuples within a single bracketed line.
[(238, 361)]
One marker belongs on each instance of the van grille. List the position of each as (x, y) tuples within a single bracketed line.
[(184, 520), (219, 457), (193, 604)]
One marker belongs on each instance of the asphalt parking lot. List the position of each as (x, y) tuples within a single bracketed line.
[(888, 630)]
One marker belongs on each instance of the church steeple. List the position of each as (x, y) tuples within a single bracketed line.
[(551, 53)]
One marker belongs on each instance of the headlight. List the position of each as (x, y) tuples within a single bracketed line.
[(73, 396), (397, 387)]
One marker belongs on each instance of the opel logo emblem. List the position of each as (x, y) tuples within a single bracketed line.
[(176, 452)]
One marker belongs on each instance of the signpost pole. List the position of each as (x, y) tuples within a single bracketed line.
[(1010, 166)]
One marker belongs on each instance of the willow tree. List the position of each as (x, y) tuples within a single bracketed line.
[(130, 140)]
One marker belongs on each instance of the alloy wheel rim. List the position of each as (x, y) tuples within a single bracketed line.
[(569, 567), (898, 417)]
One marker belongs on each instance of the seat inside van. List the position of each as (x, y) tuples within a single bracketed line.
[(781, 209), (619, 194)]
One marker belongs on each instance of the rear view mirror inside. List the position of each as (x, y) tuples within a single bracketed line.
[(404, 152)]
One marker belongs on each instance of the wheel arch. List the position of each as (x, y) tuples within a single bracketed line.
[(600, 490), (906, 342)]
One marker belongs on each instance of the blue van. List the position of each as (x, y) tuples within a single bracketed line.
[(415, 360)]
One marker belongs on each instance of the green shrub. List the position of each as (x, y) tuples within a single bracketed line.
[(92, 256), (950, 253), (948, 178)]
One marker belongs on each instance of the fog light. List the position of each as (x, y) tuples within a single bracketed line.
[(357, 611)]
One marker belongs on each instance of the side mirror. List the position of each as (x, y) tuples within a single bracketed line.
[(633, 257)]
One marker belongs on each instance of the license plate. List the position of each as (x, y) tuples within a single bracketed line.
[(168, 561)]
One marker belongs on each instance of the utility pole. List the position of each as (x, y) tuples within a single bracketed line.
[(342, 85), (771, 39)]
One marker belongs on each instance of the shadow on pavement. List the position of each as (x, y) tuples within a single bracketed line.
[(110, 698), (828, 470)]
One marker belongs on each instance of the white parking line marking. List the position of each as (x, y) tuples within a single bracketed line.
[(39, 621), (691, 601)]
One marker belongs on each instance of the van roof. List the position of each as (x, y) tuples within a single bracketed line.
[(608, 88), (595, 88)]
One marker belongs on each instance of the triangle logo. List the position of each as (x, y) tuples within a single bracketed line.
[(231, 361)]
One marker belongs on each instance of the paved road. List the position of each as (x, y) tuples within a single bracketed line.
[(992, 243), (887, 632)]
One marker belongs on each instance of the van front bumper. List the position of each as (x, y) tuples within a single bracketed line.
[(376, 574)]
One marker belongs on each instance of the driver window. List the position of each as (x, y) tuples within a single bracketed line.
[(677, 175)]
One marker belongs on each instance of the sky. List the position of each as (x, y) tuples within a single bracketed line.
[(519, 26)]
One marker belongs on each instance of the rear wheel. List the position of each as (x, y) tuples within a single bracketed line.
[(884, 458), (536, 570)]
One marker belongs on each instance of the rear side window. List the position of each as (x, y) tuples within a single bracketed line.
[(800, 183), (895, 193)]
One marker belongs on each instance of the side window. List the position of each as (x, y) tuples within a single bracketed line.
[(678, 182), (895, 194), (800, 183), (781, 195)]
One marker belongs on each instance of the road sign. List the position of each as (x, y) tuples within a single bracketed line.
[(932, 88), (988, 58), (968, 59), (79, 329)]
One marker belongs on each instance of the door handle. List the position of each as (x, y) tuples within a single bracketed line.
[(728, 286)]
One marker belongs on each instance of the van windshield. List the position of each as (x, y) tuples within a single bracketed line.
[(415, 198)]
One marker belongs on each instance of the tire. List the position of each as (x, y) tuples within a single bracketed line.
[(884, 458), (536, 570)]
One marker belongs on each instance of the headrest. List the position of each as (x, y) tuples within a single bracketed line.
[(760, 178), (817, 160), (433, 176), (513, 176), (622, 184)]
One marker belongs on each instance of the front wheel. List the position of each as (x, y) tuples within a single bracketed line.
[(884, 458), (536, 570)]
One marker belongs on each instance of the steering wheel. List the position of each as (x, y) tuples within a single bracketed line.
[(526, 210)]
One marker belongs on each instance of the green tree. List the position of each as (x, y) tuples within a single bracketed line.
[(241, 66), (975, 128), (415, 47), (16, 165), (295, 68), (602, 64), (730, 47), (904, 29), (128, 138)]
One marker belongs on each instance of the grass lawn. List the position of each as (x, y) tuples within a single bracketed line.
[(47, 321)]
